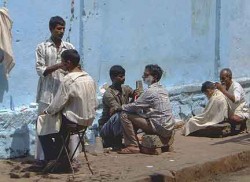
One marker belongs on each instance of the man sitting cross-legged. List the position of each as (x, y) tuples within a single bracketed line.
[(216, 111), (151, 112)]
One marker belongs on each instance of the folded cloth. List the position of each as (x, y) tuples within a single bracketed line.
[(48, 124), (6, 53)]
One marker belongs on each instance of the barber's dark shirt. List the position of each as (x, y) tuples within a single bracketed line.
[(114, 99)]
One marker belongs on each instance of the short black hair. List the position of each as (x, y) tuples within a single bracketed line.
[(207, 85), (72, 56), (154, 70), (55, 20), (228, 71), (116, 70)]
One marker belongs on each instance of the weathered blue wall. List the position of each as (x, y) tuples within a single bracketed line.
[(178, 35), (30, 27), (235, 37), (190, 39)]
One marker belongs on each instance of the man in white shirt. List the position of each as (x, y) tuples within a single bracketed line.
[(48, 67), (75, 100), (238, 113)]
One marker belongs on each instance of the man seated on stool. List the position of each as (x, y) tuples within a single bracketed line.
[(151, 112), (75, 100), (239, 110), (216, 111)]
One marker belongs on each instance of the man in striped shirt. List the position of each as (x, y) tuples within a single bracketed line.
[(49, 69), (151, 112)]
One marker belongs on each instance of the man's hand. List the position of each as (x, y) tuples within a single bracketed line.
[(44, 113), (220, 87), (137, 93), (114, 110), (53, 68)]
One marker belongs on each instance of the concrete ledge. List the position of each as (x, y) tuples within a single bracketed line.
[(226, 164), (195, 88)]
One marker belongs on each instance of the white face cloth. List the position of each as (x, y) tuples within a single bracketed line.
[(149, 80)]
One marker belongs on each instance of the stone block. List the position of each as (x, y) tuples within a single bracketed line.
[(17, 134)]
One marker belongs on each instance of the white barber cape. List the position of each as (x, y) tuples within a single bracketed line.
[(215, 112)]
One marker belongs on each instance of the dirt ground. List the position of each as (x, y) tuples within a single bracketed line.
[(188, 151)]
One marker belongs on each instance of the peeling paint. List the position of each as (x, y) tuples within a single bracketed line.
[(201, 10)]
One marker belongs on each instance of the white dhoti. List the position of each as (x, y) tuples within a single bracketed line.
[(48, 124)]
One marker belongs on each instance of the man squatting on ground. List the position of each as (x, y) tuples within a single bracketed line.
[(151, 112), (48, 67), (114, 97), (75, 100), (238, 108)]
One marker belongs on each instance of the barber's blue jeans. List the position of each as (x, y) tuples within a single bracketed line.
[(111, 132), (113, 127)]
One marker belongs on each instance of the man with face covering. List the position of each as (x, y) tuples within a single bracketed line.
[(151, 112), (239, 110)]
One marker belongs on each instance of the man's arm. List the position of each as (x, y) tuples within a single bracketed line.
[(110, 100), (52, 68), (41, 67), (225, 92), (143, 102)]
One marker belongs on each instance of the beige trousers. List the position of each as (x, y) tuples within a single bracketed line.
[(131, 123)]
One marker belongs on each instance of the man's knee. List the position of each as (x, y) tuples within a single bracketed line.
[(237, 119)]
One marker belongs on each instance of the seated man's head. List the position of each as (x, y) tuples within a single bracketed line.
[(57, 27), (208, 88), (152, 74), (117, 75), (226, 77), (70, 59)]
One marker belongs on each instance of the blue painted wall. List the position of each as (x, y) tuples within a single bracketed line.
[(178, 35), (190, 39), (235, 37)]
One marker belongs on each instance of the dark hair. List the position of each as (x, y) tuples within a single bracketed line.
[(116, 70), (72, 56), (154, 70), (55, 20), (207, 85), (228, 71)]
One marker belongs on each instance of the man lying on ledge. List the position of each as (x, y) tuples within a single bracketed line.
[(151, 113), (215, 112)]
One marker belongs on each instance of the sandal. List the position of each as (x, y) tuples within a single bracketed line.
[(129, 150)]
